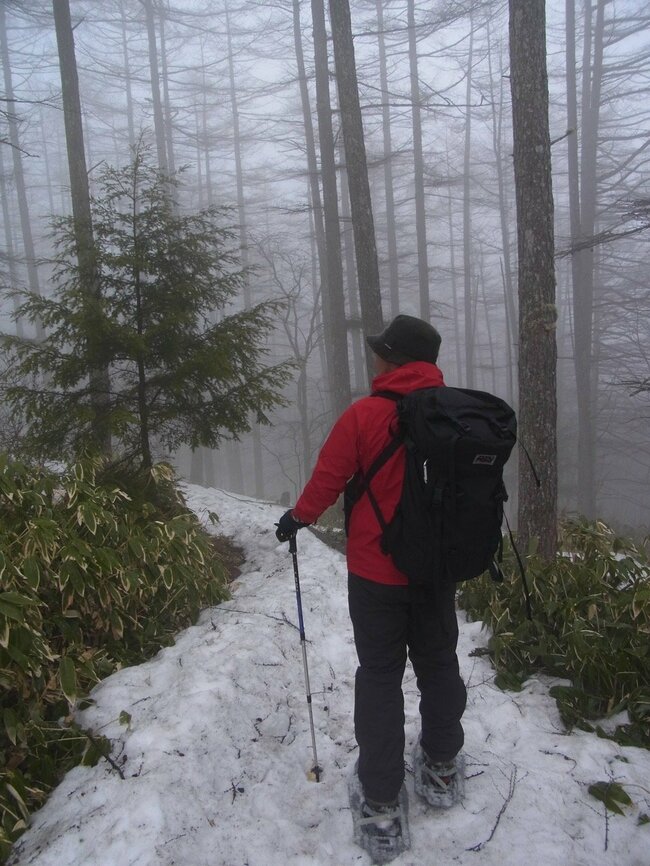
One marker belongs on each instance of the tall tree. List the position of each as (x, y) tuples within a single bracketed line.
[(359, 356), (320, 278), (418, 167), (258, 468), (83, 223), (336, 340), (583, 185), (19, 176), (9, 243), (169, 127), (156, 99), (357, 173), (128, 84), (391, 232), (497, 102), (535, 243), (470, 331)]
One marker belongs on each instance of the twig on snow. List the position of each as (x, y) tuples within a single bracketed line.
[(511, 791)]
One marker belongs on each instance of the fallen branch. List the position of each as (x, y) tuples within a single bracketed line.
[(511, 791)]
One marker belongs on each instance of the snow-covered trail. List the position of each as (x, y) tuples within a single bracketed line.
[(216, 753)]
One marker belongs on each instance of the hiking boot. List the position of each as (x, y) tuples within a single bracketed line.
[(380, 828), (442, 785)]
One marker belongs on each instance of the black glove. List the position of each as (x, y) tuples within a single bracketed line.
[(288, 526)]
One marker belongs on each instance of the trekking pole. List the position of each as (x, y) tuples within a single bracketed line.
[(314, 774)]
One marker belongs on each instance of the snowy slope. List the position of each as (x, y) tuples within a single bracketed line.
[(216, 754)]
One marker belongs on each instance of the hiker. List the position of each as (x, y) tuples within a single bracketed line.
[(390, 618)]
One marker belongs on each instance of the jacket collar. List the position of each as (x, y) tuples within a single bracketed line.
[(409, 377)]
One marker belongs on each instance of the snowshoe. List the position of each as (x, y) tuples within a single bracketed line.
[(442, 785), (382, 830)]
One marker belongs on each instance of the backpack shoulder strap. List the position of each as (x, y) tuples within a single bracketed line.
[(361, 481), (387, 452), (397, 439)]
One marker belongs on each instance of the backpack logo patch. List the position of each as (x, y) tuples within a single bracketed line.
[(484, 460)]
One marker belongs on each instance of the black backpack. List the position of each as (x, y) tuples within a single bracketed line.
[(447, 525)]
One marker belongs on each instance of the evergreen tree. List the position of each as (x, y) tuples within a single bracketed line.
[(183, 370)]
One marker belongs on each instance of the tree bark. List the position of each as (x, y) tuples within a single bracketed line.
[(537, 312)]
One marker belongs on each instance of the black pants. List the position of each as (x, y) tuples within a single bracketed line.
[(388, 621)]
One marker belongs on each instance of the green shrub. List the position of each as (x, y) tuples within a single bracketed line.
[(590, 625), (93, 577)]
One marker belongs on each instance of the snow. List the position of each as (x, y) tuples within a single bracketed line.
[(216, 755)]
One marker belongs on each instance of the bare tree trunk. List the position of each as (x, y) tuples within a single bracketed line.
[(9, 244), (357, 171), (418, 169), (583, 181), (158, 118), (302, 342), (232, 456), (81, 212), (315, 283), (143, 405), (205, 134), (537, 312), (391, 232), (354, 318), (196, 466), (316, 213), (127, 78), (258, 465), (336, 342), (454, 286), (169, 137), (47, 162), (481, 284), (209, 470), (467, 221), (504, 218), (509, 342), (199, 158), (19, 177)]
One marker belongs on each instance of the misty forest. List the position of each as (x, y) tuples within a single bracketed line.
[(206, 206), (331, 171)]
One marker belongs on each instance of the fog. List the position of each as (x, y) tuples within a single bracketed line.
[(214, 89)]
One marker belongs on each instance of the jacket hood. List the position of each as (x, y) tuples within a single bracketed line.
[(409, 377)]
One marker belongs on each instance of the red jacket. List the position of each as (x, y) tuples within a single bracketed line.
[(356, 439)]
